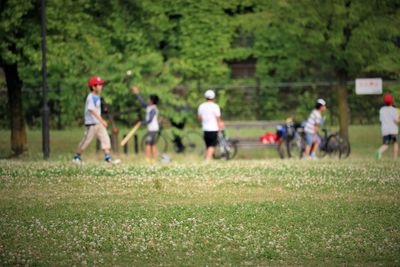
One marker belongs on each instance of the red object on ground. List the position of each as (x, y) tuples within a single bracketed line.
[(269, 138)]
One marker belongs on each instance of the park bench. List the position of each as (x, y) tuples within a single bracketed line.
[(236, 128), (236, 132)]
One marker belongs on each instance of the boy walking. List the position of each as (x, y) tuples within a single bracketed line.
[(209, 114), (389, 118), (94, 123), (311, 129), (151, 121)]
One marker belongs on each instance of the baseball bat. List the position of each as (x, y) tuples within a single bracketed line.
[(130, 134)]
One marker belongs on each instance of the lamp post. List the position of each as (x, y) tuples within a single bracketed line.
[(46, 110)]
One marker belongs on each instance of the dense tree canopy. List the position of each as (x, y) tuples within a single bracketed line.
[(335, 41), (178, 47)]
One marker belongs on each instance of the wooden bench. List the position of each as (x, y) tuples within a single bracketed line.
[(235, 128)]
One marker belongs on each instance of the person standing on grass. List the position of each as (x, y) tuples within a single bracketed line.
[(389, 118), (311, 129), (151, 121), (94, 123), (209, 114)]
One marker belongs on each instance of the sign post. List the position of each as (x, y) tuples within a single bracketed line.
[(372, 86)]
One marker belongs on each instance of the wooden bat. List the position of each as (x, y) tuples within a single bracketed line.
[(130, 134)]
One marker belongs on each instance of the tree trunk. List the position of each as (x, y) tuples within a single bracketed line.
[(343, 109), (17, 119)]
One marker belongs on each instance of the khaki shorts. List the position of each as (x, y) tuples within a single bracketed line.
[(100, 132)]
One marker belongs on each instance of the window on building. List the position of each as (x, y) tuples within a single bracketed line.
[(243, 68)]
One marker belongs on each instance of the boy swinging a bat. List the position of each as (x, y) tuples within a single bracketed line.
[(151, 121)]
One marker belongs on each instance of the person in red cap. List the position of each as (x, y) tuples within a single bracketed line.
[(94, 123), (389, 118)]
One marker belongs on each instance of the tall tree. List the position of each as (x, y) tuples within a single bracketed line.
[(165, 43), (336, 40), (19, 37), (83, 41)]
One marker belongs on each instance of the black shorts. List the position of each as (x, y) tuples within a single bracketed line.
[(389, 139), (211, 139), (151, 138)]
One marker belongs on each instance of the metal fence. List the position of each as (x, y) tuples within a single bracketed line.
[(252, 101)]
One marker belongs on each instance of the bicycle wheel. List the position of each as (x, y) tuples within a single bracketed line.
[(345, 148), (233, 148), (295, 148), (333, 146), (323, 148), (161, 143), (193, 143), (225, 149)]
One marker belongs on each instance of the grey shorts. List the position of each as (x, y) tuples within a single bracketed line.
[(151, 138)]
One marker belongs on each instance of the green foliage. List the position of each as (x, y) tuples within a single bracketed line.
[(334, 39), (306, 105), (177, 48), (19, 31)]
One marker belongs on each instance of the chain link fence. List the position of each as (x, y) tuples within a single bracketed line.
[(251, 101)]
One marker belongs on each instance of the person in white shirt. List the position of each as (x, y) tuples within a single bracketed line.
[(209, 114), (311, 129), (389, 118)]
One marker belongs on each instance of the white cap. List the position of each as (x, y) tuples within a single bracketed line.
[(321, 101), (209, 94)]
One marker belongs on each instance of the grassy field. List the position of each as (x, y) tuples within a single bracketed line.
[(263, 211), (230, 213)]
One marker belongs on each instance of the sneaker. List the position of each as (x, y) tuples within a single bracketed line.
[(113, 161), (378, 155), (77, 161), (165, 158)]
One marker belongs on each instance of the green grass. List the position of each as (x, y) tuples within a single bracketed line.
[(188, 212), (231, 213)]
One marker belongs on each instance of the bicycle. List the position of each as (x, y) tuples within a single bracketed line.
[(334, 145), (291, 140), (226, 148), (190, 142), (292, 143)]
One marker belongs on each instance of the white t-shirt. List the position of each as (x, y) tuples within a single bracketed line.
[(152, 126), (208, 112), (93, 103), (314, 119), (388, 116)]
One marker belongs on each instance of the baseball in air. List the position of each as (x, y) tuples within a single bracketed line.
[(129, 73)]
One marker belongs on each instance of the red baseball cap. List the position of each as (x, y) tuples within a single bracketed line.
[(388, 99), (95, 80)]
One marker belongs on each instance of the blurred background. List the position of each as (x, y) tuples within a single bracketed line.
[(266, 60)]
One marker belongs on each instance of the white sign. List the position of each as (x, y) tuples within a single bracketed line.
[(369, 86)]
